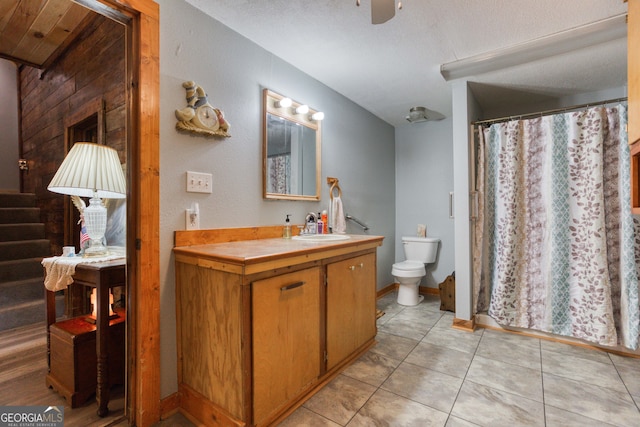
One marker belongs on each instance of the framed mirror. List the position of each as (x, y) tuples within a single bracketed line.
[(291, 152)]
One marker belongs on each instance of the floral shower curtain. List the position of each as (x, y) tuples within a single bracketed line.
[(279, 168), (555, 247)]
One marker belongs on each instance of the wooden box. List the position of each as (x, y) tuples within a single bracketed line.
[(448, 294), (73, 358)]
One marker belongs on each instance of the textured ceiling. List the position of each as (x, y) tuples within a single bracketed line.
[(392, 67)]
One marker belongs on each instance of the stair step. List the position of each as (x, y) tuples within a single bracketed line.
[(19, 215), (21, 269), (14, 232), (28, 313), (10, 199), (24, 249), (19, 291)]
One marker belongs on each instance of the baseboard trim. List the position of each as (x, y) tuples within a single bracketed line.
[(386, 290), (464, 325), (422, 290), (486, 322), (169, 406)]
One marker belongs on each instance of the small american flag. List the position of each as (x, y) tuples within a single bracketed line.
[(84, 237)]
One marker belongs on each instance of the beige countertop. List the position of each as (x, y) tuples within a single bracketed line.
[(258, 251)]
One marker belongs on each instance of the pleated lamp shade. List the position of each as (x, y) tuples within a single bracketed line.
[(90, 169)]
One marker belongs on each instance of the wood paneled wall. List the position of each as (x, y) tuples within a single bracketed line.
[(92, 69)]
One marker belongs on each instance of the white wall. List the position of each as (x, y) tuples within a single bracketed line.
[(9, 143), (464, 108), (424, 178), (506, 109), (357, 148)]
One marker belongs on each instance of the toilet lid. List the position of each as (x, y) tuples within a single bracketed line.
[(408, 265)]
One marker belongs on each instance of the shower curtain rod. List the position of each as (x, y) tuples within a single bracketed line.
[(547, 112)]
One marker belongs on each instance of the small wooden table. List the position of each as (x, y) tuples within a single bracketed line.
[(102, 276)]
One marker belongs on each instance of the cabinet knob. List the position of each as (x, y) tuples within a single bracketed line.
[(353, 267)]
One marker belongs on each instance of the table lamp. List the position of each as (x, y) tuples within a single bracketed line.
[(91, 170)]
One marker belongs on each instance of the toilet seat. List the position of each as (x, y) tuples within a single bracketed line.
[(408, 269)]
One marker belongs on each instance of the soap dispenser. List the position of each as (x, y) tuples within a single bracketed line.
[(286, 232)]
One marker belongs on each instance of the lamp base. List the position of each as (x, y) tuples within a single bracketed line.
[(95, 221), (95, 249)]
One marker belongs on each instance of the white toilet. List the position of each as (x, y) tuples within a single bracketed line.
[(418, 251)]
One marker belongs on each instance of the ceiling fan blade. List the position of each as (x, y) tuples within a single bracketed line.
[(382, 10)]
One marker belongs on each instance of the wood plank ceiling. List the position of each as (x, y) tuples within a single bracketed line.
[(36, 32)]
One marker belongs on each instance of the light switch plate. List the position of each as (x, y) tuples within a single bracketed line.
[(198, 182)]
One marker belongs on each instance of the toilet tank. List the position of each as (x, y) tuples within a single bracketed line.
[(423, 249)]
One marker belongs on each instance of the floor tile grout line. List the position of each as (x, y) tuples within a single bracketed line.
[(544, 403), (624, 382), (541, 370), (464, 379), (356, 379), (400, 311), (378, 388), (391, 373), (394, 369), (419, 342)]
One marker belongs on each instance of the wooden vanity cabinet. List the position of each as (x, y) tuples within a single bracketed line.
[(262, 325)]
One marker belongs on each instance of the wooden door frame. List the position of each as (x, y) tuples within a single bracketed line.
[(142, 20)]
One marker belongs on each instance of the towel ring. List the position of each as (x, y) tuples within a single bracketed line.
[(334, 186)]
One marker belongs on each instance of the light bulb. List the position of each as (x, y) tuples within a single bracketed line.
[(94, 309), (303, 109), (317, 116), (284, 103)]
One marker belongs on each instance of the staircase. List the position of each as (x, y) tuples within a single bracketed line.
[(22, 247)]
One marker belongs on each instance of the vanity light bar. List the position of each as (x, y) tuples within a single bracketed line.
[(293, 108)]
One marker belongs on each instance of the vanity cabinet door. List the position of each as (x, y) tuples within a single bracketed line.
[(286, 339), (351, 306)]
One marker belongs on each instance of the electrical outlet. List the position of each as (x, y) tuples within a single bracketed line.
[(198, 182), (192, 219)]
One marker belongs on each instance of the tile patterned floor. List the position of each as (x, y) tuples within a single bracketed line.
[(424, 373)]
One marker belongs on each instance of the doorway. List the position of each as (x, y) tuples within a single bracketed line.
[(141, 20), (143, 199)]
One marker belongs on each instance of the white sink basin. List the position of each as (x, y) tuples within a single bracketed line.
[(321, 237)]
